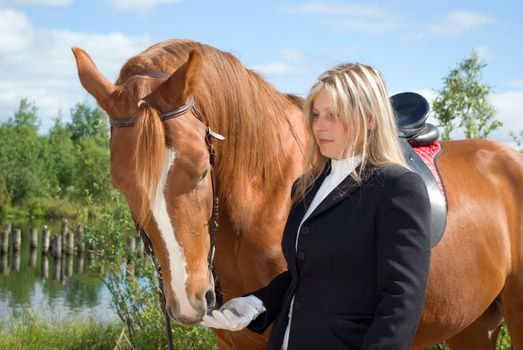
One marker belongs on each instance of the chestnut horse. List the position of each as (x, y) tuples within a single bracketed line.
[(162, 167)]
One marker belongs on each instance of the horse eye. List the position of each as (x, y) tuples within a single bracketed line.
[(204, 174)]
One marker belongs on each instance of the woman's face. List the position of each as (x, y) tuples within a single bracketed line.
[(329, 132)]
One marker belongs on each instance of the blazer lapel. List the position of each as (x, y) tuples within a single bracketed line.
[(299, 210), (342, 191), (301, 207)]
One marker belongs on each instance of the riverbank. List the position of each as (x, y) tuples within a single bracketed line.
[(49, 209)]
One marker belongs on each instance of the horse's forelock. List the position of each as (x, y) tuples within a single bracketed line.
[(149, 158)]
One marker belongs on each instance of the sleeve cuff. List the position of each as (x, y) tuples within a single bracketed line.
[(256, 303)]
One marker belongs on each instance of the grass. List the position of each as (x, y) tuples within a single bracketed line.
[(28, 332), (31, 332)]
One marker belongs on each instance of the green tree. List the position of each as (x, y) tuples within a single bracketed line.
[(463, 101), (23, 155), (5, 199), (89, 123), (93, 179), (62, 158), (518, 139)]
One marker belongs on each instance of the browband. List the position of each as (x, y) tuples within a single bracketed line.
[(163, 117)]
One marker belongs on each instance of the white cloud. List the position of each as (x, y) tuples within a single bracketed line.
[(461, 21), (36, 2), (509, 109), (485, 53), (43, 68), (139, 5), (515, 83), (349, 17), (16, 31)]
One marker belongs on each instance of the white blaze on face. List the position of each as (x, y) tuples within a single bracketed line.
[(175, 254)]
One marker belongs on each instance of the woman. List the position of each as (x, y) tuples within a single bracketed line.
[(356, 240)]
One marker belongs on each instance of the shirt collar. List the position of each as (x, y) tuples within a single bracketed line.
[(344, 166)]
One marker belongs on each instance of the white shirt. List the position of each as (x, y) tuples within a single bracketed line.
[(340, 169)]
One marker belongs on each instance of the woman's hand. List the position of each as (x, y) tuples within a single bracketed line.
[(236, 314)]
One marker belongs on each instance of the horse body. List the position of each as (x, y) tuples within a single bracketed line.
[(472, 262), (476, 274)]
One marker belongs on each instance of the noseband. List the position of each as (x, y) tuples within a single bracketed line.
[(213, 220)]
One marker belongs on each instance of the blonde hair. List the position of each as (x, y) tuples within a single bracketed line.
[(360, 99)]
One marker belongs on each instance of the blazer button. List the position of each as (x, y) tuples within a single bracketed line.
[(297, 305), (305, 230), (301, 255)]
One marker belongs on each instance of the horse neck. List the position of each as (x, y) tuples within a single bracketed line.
[(265, 196)]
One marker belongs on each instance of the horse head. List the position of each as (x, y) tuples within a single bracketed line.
[(160, 161)]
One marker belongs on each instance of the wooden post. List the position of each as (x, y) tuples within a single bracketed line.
[(45, 266), (69, 243), (64, 231), (32, 257), (80, 245), (4, 241), (79, 264), (16, 260), (57, 264), (4, 238), (45, 239), (5, 264), (57, 246), (17, 239), (33, 237), (68, 265)]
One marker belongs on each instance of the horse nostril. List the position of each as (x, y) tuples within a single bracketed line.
[(210, 298)]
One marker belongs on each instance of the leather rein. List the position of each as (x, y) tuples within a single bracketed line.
[(213, 220)]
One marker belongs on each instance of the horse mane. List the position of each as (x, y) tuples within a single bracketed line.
[(236, 103)]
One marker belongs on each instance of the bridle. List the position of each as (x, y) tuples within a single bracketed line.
[(213, 220)]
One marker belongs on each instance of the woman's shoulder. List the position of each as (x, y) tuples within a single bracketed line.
[(392, 170), (394, 173)]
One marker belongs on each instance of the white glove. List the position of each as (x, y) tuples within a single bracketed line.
[(235, 314)]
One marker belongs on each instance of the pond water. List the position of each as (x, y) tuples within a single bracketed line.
[(51, 288)]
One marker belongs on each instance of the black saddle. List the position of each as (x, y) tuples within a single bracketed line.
[(412, 111)]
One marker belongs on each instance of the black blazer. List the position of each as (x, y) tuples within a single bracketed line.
[(360, 271)]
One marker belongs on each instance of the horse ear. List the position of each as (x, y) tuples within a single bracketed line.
[(92, 80), (180, 86), (192, 75)]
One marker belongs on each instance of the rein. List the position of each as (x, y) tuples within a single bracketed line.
[(213, 220)]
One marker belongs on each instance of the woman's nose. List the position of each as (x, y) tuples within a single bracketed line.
[(318, 124)]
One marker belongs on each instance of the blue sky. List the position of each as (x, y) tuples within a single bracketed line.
[(414, 43)]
